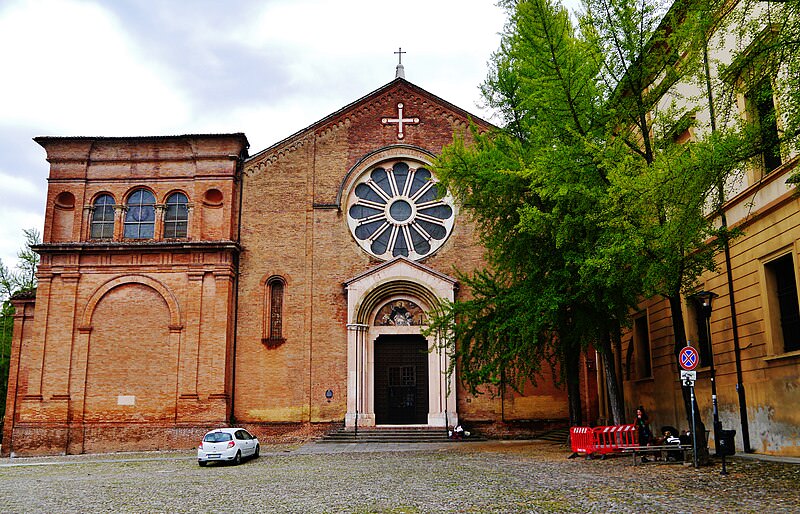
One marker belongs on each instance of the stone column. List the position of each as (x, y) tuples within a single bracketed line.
[(158, 224), (190, 348), (119, 221), (23, 319), (356, 362)]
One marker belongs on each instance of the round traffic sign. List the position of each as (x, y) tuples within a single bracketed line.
[(688, 358)]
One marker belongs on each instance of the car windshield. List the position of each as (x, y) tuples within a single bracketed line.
[(217, 437)]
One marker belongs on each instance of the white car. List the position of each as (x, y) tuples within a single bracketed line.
[(227, 445)]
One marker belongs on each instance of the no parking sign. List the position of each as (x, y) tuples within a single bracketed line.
[(688, 359)]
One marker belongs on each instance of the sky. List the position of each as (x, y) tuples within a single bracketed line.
[(267, 68)]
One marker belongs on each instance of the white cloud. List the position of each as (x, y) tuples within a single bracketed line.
[(11, 238), (74, 71), (16, 187), (86, 67)]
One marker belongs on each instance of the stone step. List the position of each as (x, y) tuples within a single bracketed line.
[(389, 435), (558, 435)]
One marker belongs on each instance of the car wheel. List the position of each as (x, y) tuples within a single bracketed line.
[(202, 463), (257, 452), (238, 459)]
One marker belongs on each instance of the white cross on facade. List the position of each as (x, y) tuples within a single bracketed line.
[(400, 121)]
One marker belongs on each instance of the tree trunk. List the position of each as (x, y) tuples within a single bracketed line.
[(572, 369), (680, 342), (614, 396), (616, 339)]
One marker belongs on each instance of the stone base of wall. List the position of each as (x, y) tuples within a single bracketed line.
[(41, 439), (515, 429)]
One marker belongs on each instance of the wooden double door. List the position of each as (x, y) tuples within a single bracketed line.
[(401, 380)]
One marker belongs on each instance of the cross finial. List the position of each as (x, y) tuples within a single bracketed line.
[(400, 53), (400, 73)]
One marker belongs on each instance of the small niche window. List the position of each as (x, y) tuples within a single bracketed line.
[(176, 216), (141, 216), (103, 217), (274, 311), (784, 308)]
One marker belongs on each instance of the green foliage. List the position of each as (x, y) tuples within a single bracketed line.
[(498, 334), (586, 199), (539, 195), (768, 47)]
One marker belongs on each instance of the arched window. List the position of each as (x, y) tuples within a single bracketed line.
[(103, 217), (176, 216), (141, 216), (274, 313)]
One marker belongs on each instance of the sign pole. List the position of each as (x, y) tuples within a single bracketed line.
[(688, 359), (694, 432)]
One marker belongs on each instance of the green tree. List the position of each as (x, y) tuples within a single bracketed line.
[(584, 198), (536, 191)]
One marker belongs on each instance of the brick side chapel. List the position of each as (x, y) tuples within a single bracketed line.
[(185, 284)]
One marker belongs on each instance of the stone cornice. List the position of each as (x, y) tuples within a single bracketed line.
[(126, 246)]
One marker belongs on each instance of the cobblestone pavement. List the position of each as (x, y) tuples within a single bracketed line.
[(470, 477)]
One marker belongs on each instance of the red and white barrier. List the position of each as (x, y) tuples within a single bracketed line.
[(602, 440)]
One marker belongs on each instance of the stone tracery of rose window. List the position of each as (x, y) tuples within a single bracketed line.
[(395, 210)]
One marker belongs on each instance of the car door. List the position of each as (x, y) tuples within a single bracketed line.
[(245, 442)]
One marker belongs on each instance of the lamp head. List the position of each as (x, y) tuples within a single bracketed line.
[(704, 300)]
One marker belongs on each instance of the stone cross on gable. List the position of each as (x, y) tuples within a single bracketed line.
[(400, 121), (399, 54)]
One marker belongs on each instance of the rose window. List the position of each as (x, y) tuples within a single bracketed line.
[(395, 209)]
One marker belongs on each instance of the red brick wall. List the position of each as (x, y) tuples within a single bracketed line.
[(312, 248), (151, 323), (155, 320)]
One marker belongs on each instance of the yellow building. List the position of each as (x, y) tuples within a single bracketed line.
[(755, 319)]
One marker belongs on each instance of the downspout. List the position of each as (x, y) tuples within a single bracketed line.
[(737, 352), (236, 260)]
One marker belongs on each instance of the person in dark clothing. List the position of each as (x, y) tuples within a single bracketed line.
[(643, 427)]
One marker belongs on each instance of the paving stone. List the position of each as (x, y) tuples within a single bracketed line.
[(519, 476)]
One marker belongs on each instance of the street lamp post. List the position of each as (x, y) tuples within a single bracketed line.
[(704, 300)]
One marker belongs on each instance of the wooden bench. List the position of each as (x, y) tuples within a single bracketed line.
[(660, 448)]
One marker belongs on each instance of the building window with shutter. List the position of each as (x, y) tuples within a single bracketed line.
[(782, 303), (641, 341), (760, 101)]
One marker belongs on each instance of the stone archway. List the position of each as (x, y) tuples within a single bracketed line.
[(376, 300)]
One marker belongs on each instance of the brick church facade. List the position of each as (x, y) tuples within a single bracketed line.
[(185, 284)]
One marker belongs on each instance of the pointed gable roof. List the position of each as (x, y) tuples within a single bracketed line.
[(291, 142)]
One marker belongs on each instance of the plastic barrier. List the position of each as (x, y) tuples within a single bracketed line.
[(603, 440), (611, 439), (581, 439)]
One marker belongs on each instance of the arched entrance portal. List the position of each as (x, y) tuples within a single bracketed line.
[(401, 380), (395, 375)]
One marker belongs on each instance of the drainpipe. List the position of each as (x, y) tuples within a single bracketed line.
[(737, 351), (236, 261)]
